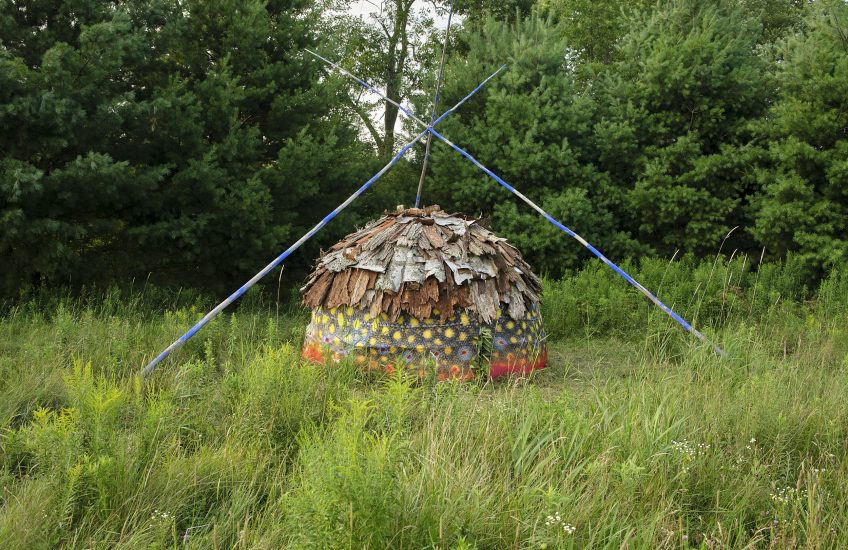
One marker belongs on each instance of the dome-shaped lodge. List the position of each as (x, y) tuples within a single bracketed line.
[(421, 287)]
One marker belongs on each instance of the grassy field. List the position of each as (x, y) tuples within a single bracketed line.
[(637, 436)]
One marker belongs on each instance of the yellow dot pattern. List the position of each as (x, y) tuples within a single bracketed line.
[(451, 346)]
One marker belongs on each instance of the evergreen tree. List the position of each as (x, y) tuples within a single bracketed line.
[(777, 17), (187, 139), (678, 108), (803, 207), (592, 28), (533, 125)]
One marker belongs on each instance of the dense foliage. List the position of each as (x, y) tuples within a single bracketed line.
[(803, 200), (186, 139), (192, 141), (692, 129)]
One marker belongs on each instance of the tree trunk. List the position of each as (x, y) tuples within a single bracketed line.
[(397, 54)]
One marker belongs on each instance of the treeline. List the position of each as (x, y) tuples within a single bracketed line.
[(188, 142)]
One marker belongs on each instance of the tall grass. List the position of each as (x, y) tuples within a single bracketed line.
[(636, 436)]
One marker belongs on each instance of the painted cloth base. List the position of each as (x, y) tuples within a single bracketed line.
[(449, 349)]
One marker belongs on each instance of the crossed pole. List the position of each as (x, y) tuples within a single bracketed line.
[(432, 132), (180, 342), (429, 131)]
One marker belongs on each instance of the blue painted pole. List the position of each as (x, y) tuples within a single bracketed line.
[(435, 108), (680, 320), (347, 73), (471, 93), (179, 342), (403, 109)]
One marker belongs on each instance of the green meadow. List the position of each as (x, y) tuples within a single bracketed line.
[(636, 436)]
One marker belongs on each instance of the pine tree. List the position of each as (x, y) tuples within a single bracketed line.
[(189, 140), (803, 207), (532, 125), (679, 104)]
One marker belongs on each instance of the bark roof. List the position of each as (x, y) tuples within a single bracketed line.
[(417, 260)]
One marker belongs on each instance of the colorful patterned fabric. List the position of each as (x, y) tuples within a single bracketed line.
[(449, 349)]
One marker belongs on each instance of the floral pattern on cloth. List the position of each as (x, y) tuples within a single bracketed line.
[(377, 343)]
